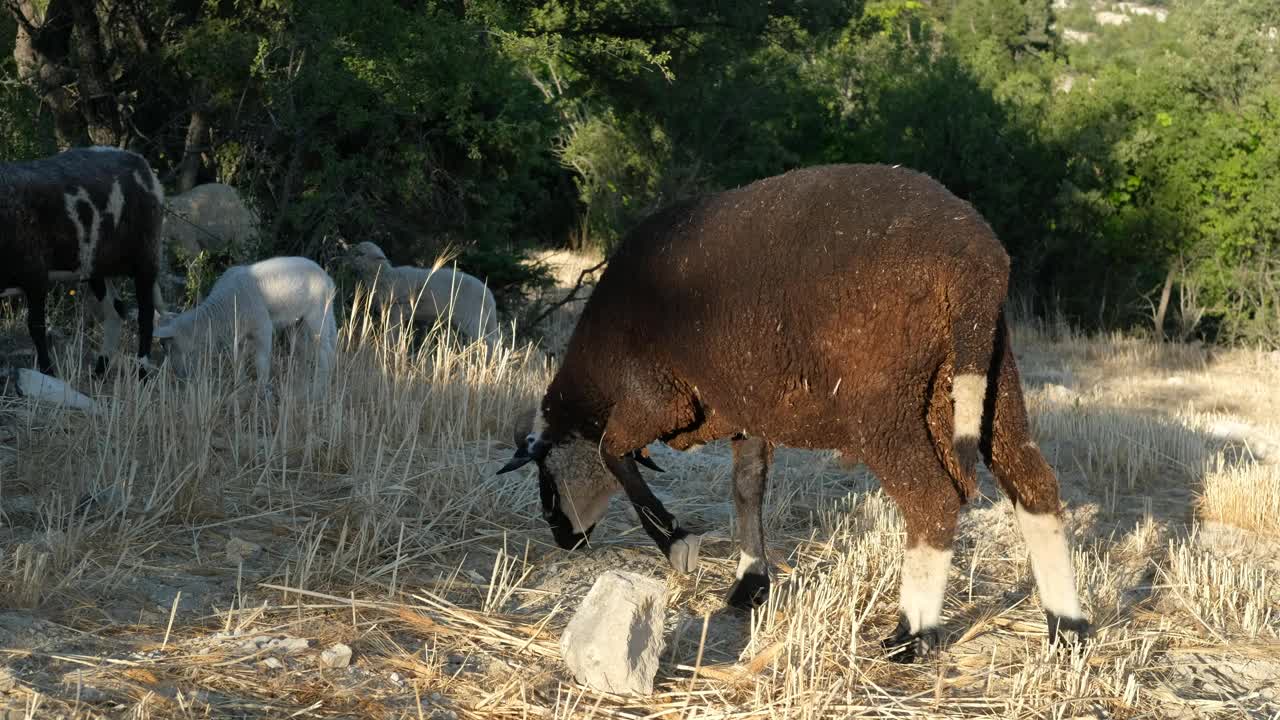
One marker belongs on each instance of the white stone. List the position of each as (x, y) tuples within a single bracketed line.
[(42, 388), (336, 656), (613, 642), (279, 643)]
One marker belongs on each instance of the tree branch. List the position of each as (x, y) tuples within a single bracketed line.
[(571, 296)]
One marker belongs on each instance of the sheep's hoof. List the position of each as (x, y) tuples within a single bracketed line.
[(683, 552), (100, 366), (907, 647), (751, 591), (567, 539), (1079, 630)]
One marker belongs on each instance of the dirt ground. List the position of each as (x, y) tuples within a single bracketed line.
[(196, 550)]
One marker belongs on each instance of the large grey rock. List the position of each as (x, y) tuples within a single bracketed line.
[(209, 217), (613, 642)]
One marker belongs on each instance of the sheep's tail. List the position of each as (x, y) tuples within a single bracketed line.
[(974, 343)]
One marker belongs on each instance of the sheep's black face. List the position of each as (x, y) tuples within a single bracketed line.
[(574, 485)]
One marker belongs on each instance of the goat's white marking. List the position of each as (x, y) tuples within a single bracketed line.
[(115, 203), (924, 582), (87, 238), (539, 427), (151, 185), (1050, 562), (969, 391), (749, 563)]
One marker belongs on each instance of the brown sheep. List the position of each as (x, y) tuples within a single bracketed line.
[(849, 307), (91, 212)]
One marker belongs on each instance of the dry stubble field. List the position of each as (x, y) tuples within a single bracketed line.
[(191, 551)]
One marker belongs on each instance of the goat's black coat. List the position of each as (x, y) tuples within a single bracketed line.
[(40, 204)]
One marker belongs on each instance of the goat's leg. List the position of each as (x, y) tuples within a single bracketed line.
[(107, 310), (930, 504), (751, 457), (679, 545), (1030, 483), (37, 290)]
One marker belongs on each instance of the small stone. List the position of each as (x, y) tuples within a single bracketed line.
[(613, 642), (273, 663), (239, 551), (7, 680), (336, 656), (282, 644), (396, 679)]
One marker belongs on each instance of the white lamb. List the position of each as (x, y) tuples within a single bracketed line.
[(252, 302), (424, 296)]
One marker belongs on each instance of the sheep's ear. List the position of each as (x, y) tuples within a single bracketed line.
[(641, 456), (524, 453)]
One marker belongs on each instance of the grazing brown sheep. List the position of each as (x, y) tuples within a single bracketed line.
[(847, 307), (93, 213)]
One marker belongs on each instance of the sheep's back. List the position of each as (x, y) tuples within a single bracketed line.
[(840, 275)]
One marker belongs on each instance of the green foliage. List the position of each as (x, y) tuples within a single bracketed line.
[(494, 126)]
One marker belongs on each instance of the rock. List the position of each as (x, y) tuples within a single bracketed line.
[(614, 639), (282, 644), (8, 680), (239, 551), (42, 388), (273, 663), (336, 656)]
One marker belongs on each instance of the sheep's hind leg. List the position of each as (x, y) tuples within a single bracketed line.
[(751, 456), (930, 504), (1030, 483), (677, 544)]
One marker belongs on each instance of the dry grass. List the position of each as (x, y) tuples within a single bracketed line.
[(159, 557)]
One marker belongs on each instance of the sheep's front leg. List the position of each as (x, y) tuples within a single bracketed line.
[(262, 361), (751, 457), (679, 545)]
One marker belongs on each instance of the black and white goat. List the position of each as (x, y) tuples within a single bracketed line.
[(90, 214)]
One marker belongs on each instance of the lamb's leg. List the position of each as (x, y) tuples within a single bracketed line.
[(1030, 483), (930, 504), (678, 544), (262, 360), (751, 457), (147, 290), (36, 289), (111, 319)]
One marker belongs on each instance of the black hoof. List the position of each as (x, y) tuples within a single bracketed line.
[(906, 647), (567, 539), (146, 372), (749, 592), (100, 366), (1078, 629)]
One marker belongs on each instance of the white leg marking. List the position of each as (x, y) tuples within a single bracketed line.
[(969, 391), (749, 563), (115, 203), (1051, 563), (924, 582)]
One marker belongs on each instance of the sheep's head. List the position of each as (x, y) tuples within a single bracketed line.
[(574, 483), (175, 336)]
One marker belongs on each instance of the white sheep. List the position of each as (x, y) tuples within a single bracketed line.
[(252, 302), (423, 296)]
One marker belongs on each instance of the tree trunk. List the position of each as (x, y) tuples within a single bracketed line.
[(1164, 304), (197, 144), (98, 101), (41, 51)]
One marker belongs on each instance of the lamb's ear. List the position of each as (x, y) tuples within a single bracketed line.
[(164, 327)]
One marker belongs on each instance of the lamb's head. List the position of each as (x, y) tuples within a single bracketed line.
[(177, 337), (367, 258), (572, 478)]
